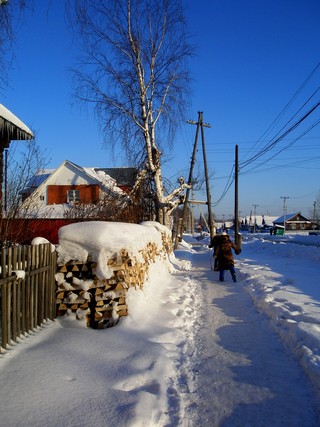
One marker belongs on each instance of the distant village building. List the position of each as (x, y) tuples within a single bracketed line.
[(293, 222)]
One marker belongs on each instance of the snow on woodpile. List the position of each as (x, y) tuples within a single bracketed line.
[(99, 261), (102, 240)]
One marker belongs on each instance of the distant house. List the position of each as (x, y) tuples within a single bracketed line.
[(54, 193), (293, 222)]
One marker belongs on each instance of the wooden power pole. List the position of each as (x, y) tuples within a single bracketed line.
[(210, 217), (183, 220), (237, 236), (200, 124)]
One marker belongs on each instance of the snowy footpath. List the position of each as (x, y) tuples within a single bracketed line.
[(193, 351), (247, 374)]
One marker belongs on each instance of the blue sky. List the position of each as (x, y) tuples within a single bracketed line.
[(251, 59)]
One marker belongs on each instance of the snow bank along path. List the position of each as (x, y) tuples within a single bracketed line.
[(282, 278), (244, 373)]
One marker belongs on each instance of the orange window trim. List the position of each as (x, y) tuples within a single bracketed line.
[(58, 194)]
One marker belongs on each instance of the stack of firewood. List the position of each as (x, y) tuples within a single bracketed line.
[(101, 302)]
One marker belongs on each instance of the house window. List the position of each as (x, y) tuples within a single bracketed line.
[(73, 196), (42, 198)]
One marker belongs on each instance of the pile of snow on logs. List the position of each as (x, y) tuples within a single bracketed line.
[(99, 261)]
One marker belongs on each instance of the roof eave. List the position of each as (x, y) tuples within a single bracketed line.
[(12, 128)]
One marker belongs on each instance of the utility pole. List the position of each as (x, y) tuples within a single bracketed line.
[(210, 217), (192, 214), (190, 182), (236, 197), (314, 215), (255, 217), (284, 210), (200, 124)]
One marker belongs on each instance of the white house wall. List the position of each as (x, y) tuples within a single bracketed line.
[(66, 174), (69, 175)]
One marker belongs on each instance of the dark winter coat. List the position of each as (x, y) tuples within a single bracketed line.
[(223, 252), (214, 243)]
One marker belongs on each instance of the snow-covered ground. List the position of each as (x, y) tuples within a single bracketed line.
[(283, 278), (193, 351)]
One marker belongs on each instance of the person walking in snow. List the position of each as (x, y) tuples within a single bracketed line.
[(224, 256)]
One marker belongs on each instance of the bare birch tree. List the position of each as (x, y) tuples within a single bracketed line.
[(133, 70)]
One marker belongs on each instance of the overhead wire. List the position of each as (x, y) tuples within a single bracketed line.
[(284, 110), (226, 188), (268, 148), (273, 143), (287, 165), (278, 137), (286, 147)]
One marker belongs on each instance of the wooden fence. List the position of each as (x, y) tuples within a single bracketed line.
[(27, 290)]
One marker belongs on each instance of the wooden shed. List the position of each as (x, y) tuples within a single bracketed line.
[(294, 221)]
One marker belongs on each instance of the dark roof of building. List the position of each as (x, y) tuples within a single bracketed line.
[(123, 176)]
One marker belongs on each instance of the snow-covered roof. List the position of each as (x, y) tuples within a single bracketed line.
[(289, 217), (125, 176), (259, 220), (36, 180), (106, 180), (12, 128)]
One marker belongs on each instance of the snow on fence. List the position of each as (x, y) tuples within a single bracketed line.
[(27, 290), (114, 258)]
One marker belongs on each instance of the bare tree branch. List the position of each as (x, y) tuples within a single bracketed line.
[(11, 12), (133, 70)]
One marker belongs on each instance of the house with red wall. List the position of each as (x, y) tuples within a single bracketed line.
[(55, 197), (52, 193)]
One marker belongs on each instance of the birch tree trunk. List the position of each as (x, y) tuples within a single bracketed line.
[(133, 70)]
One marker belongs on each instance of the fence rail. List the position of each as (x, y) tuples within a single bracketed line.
[(27, 290)]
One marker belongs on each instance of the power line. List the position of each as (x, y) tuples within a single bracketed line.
[(273, 143), (268, 130), (286, 147), (227, 187)]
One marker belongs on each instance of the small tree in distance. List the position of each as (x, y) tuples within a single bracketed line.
[(134, 72)]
